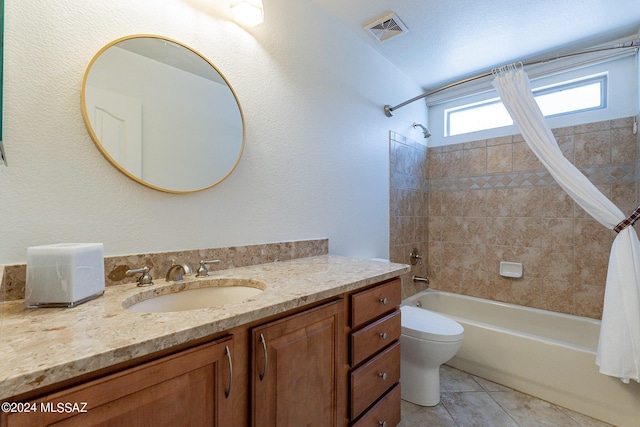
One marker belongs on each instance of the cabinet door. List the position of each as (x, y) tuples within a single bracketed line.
[(188, 388), (295, 374)]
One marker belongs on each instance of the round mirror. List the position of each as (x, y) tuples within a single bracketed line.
[(162, 114)]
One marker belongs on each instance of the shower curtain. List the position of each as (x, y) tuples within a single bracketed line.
[(619, 343)]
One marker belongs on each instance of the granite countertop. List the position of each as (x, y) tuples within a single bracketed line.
[(48, 345)]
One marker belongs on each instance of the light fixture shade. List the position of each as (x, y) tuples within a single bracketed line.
[(248, 12)]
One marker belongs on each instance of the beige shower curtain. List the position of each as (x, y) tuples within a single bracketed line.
[(619, 344)]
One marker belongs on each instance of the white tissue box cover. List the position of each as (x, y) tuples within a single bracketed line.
[(64, 273)]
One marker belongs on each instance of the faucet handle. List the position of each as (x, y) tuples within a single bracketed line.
[(202, 270), (415, 257), (145, 279)]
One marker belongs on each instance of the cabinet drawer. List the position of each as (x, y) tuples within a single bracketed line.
[(375, 302), (374, 378), (384, 413), (372, 338)]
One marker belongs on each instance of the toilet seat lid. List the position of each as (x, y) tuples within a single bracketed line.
[(428, 325)]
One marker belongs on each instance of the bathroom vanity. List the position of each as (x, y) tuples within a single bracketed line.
[(319, 345)]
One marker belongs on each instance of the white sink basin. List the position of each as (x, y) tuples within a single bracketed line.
[(194, 295)]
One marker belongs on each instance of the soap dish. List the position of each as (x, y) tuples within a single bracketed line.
[(511, 269)]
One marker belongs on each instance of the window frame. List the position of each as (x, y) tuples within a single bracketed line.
[(601, 78), (621, 99)]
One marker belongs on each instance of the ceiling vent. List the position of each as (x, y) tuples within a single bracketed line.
[(387, 27)]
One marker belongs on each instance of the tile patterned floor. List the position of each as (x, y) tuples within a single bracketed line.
[(470, 401)]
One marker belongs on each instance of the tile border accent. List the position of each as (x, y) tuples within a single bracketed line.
[(617, 174)]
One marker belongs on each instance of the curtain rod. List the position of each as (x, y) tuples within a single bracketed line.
[(388, 110)]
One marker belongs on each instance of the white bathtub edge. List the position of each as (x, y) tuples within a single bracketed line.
[(498, 356)]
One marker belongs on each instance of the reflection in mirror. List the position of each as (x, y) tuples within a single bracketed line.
[(162, 114)]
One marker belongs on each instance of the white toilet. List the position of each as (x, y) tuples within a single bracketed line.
[(428, 340)]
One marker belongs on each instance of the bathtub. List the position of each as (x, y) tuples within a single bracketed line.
[(542, 353)]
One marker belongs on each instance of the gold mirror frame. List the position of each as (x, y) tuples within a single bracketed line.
[(173, 169)]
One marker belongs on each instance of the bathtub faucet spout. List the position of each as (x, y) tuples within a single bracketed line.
[(420, 279)]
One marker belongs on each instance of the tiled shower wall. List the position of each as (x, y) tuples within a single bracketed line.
[(491, 200), (409, 207)]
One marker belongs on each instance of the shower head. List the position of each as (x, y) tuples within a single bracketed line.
[(425, 131)]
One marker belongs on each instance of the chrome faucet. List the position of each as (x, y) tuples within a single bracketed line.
[(145, 279), (177, 271)]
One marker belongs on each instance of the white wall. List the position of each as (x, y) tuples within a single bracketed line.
[(315, 163)]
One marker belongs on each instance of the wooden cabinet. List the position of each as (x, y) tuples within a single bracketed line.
[(375, 302), (327, 366), (385, 413), (374, 378), (374, 337), (191, 388), (374, 356), (296, 370)]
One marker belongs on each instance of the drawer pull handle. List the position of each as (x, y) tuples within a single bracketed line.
[(227, 392), (383, 335), (383, 301), (382, 423), (266, 360), (383, 375)]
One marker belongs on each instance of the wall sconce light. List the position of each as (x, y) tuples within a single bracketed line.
[(247, 12)]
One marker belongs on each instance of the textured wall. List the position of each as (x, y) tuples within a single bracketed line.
[(492, 200), (316, 157)]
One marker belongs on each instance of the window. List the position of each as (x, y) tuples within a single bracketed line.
[(568, 97)]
